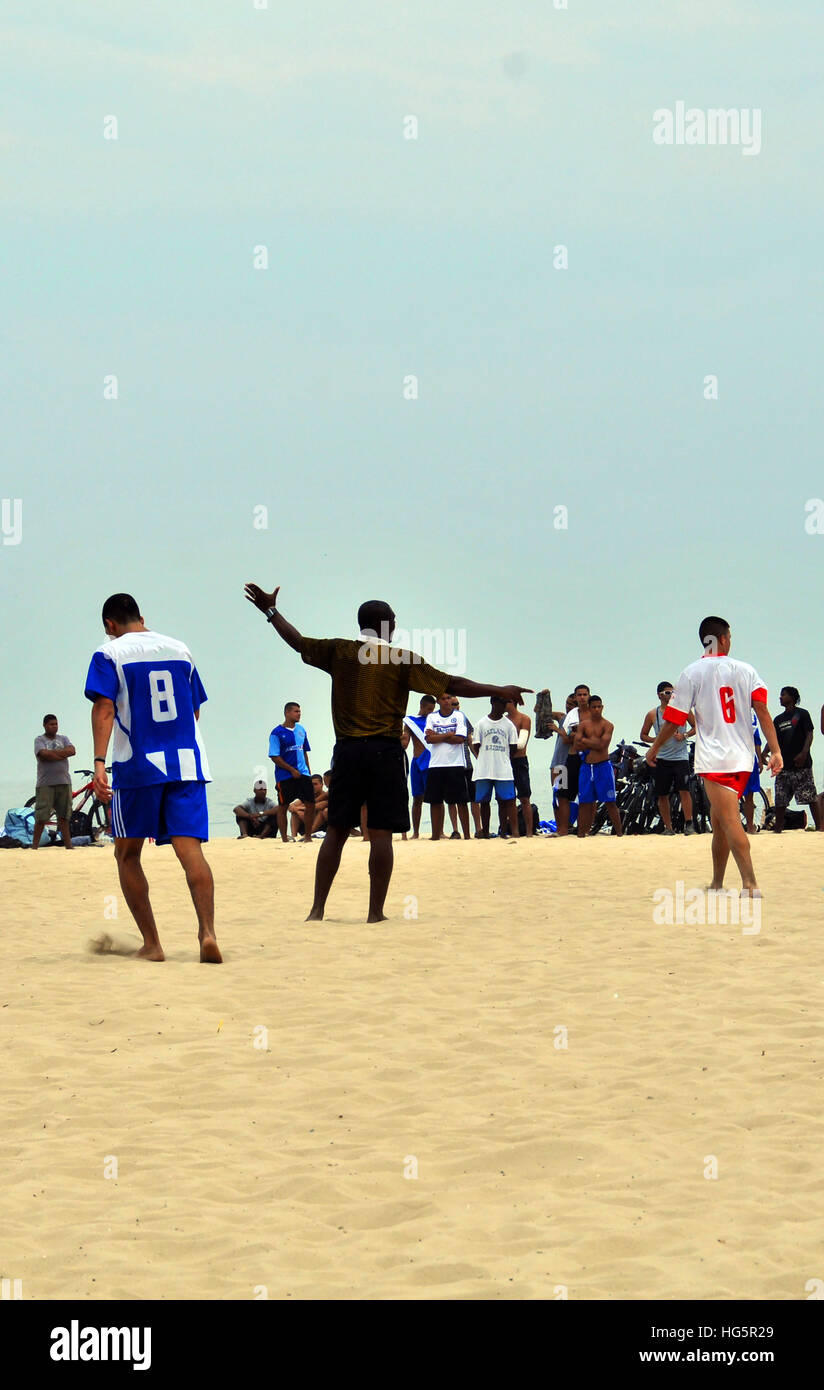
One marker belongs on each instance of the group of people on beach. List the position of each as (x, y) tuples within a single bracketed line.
[(146, 696)]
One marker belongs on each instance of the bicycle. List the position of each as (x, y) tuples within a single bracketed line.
[(93, 822)]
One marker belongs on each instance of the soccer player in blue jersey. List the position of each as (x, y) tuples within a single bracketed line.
[(146, 691)]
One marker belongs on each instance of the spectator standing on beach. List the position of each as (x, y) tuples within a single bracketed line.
[(794, 728), (288, 746), (445, 735), (146, 691), (754, 784), (520, 763), (258, 815), (496, 739), (470, 785), (371, 681), (672, 766), (53, 791), (596, 775), (567, 782), (414, 725), (557, 767)]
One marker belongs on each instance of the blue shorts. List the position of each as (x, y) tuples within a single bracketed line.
[(161, 811), (504, 789), (417, 779), (596, 782), (754, 784)]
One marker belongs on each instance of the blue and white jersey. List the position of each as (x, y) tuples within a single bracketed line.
[(292, 745), (156, 689)]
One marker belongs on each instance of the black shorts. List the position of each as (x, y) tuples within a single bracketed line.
[(671, 775), (370, 772), (569, 792), (520, 776), (296, 789), (446, 784)]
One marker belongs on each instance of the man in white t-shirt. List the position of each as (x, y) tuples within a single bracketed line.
[(495, 739), (721, 692), (445, 734)]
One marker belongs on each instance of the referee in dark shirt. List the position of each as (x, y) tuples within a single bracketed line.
[(371, 681)]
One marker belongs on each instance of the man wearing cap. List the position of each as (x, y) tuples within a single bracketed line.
[(258, 815)]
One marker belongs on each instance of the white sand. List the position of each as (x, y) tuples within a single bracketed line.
[(433, 1038)]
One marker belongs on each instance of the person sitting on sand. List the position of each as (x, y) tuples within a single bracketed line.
[(596, 775), (371, 681), (258, 815), (720, 691), (297, 808)]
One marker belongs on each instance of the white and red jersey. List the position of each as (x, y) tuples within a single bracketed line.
[(719, 690)]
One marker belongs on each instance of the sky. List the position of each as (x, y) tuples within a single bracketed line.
[(287, 388)]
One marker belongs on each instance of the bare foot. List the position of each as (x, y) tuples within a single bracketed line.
[(381, 917), (316, 915), (210, 951), (150, 953)]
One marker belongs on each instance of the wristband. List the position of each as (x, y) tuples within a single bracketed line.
[(270, 613), (100, 760)]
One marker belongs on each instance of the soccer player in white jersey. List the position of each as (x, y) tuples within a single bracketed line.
[(146, 690), (721, 692)]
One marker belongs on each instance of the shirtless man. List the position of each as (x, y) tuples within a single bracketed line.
[(520, 762), (596, 778)]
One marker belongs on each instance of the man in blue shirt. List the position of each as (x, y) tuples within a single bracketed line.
[(145, 690), (288, 746)]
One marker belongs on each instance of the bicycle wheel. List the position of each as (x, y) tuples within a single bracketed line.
[(99, 819)]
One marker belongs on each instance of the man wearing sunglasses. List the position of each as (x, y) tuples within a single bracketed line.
[(672, 767)]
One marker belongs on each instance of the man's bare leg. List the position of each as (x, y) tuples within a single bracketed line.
[(728, 834), (686, 804), (476, 816), (202, 888), (326, 868), (463, 816), (664, 812), (562, 816), (526, 810), (615, 817), (586, 815), (381, 860), (486, 807), (364, 828), (282, 829), (136, 892), (436, 813), (417, 808), (308, 821), (511, 809), (65, 833), (38, 831), (749, 812), (453, 816), (815, 813)]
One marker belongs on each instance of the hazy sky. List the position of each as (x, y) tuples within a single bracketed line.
[(538, 387)]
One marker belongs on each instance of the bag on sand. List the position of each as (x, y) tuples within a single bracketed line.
[(19, 824)]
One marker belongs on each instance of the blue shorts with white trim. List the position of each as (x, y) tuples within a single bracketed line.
[(160, 811)]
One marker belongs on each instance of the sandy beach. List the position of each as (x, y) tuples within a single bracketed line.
[(557, 1069)]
